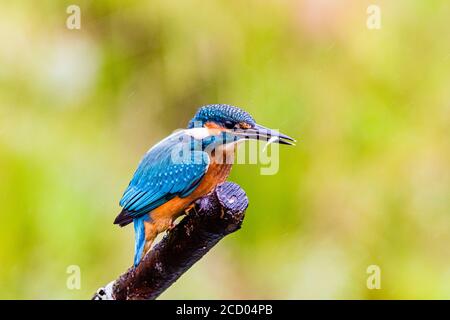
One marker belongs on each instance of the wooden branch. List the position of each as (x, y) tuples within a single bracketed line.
[(217, 214)]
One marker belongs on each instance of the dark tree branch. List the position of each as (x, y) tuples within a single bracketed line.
[(217, 214)]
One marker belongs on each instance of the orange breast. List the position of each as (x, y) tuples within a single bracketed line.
[(217, 173), (164, 214)]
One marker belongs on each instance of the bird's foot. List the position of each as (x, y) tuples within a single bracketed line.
[(190, 208), (171, 226)]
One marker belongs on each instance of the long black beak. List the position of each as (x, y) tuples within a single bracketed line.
[(259, 132)]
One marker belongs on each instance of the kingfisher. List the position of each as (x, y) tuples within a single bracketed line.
[(184, 167)]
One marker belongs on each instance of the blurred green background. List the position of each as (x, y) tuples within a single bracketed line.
[(368, 182)]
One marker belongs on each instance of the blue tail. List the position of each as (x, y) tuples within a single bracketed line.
[(139, 241)]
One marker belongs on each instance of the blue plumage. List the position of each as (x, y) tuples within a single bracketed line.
[(162, 174)]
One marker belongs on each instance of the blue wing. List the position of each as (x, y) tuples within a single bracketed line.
[(168, 170)]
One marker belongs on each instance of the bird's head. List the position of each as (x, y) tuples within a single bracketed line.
[(235, 123)]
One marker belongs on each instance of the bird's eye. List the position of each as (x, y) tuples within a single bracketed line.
[(229, 125)]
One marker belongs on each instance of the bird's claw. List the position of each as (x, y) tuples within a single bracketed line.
[(190, 208)]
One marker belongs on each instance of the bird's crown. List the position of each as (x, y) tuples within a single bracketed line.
[(222, 114)]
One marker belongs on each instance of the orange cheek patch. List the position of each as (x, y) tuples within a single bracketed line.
[(244, 125), (214, 128), (212, 125)]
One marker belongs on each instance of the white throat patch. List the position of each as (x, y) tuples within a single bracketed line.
[(201, 133)]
